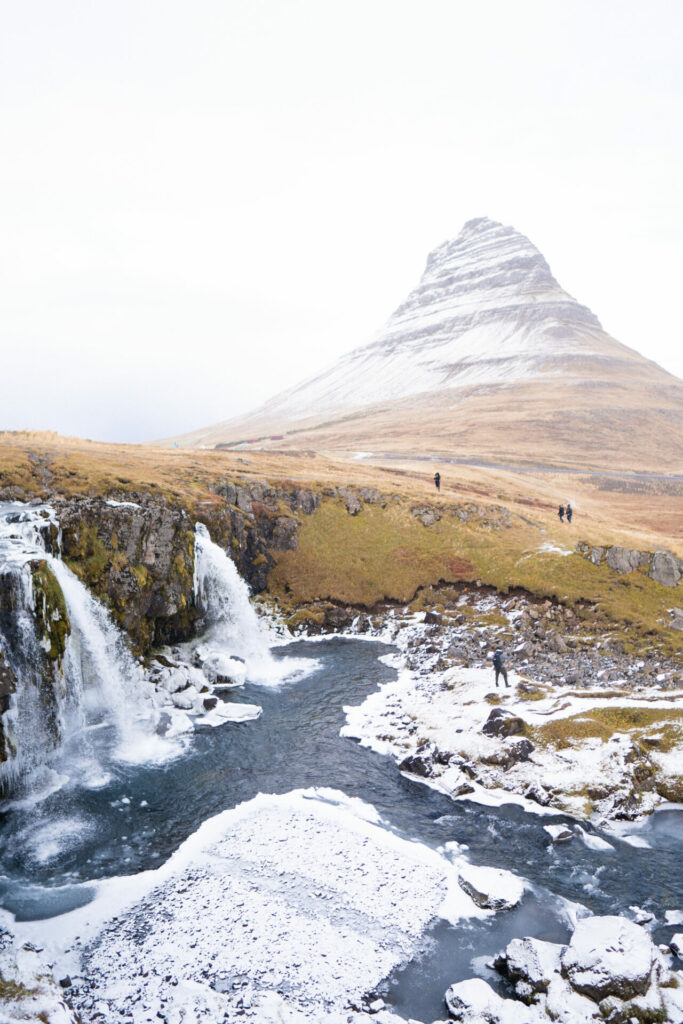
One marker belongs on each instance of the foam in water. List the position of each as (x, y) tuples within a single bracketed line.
[(233, 625)]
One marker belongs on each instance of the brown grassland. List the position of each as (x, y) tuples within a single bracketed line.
[(387, 553)]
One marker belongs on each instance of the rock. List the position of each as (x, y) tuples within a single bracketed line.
[(676, 618), (559, 833), (531, 962), (520, 751), (623, 560), (597, 554), (285, 534), (665, 569), (353, 505), (491, 888), (420, 763), (676, 944), (538, 793), (185, 700), (557, 644), (503, 723), (475, 1002), (609, 956), (209, 703), (433, 618), (224, 669)]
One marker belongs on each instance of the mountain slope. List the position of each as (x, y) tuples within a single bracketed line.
[(488, 356)]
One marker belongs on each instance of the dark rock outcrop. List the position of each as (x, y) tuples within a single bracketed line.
[(661, 566), (139, 560)]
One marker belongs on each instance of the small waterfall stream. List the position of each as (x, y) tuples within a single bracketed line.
[(57, 698), (233, 625)]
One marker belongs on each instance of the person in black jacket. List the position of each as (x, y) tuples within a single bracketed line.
[(499, 666), (437, 480), (560, 513), (569, 512)]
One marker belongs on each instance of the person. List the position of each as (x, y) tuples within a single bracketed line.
[(569, 513), (499, 666), (437, 480), (560, 513)]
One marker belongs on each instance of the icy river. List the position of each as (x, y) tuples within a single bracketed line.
[(54, 853)]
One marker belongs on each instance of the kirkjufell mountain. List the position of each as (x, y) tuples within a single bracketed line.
[(488, 357)]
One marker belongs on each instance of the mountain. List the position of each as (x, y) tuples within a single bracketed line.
[(488, 357)]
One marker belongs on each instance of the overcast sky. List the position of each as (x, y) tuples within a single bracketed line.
[(204, 201)]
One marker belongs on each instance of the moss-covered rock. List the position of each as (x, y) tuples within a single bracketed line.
[(138, 560), (51, 614)]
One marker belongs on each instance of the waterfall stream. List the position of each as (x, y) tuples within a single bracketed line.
[(57, 700)]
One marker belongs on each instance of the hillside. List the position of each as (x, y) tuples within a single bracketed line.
[(488, 357)]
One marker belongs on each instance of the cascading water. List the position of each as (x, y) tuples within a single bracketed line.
[(58, 695), (223, 595), (233, 627)]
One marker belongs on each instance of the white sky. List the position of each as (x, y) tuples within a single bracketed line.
[(204, 201)]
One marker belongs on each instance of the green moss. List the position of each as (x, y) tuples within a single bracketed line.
[(141, 575), (52, 615), (305, 617), (88, 556)]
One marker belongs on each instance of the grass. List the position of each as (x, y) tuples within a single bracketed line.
[(381, 554), (602, 723)]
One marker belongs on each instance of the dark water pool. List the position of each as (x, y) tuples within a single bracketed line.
[(142, 815)]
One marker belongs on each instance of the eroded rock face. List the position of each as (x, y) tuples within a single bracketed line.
[(139, 560)]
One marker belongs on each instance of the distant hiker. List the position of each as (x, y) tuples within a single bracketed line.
[(569, 513), (499, 666), (437, 481), (560, 513)]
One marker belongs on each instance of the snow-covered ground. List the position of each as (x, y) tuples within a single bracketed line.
[(432, 720), (287, 908)]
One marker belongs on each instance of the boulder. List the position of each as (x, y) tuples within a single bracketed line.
[(433, 618), (491, 888), (475, 1002), (623, 560), (676, 944), (559, 833), (597, 554), (557, 644), (420, 763), (609, 956), (665, 569), (503, 723), (530, 964), (676, 618), (353, 505)]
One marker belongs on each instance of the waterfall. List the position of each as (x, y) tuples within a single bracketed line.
[(223, 596), (58, 699)]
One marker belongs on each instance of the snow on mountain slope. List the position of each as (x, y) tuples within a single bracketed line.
[(487, 319), (487, 311)]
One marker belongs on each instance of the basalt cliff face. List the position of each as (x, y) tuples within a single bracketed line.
[(488, 356)]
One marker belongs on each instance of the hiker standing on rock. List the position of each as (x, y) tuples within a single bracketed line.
[(437, 480), (499, 666), (569, 513), (560, 513)]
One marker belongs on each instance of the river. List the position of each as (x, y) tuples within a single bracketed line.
[(142, 814)]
